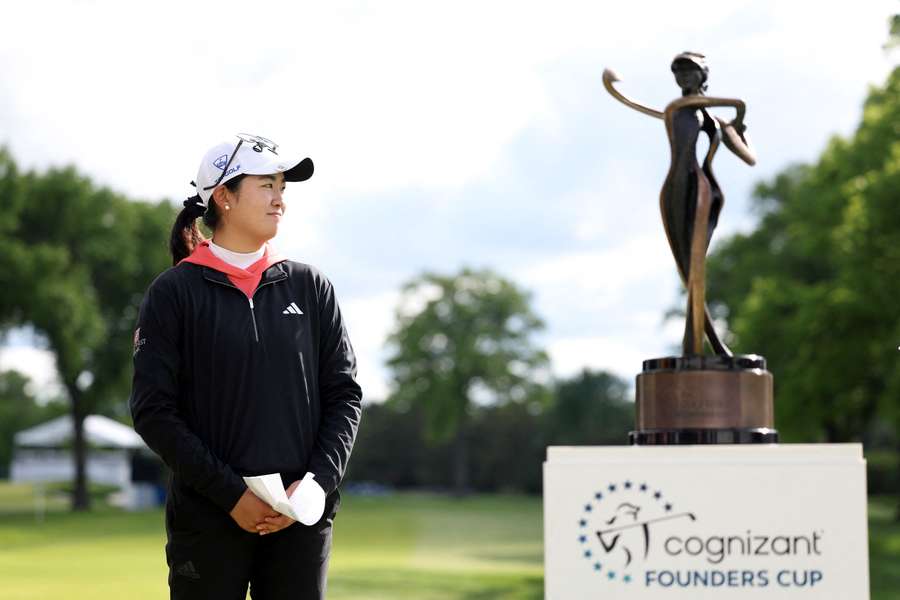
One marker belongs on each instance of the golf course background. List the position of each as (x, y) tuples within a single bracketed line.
[(403, 545)]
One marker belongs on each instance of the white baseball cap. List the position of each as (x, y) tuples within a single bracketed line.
[(246, 155)]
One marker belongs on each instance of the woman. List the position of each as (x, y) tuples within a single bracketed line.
[(243, 367), (691, 199)]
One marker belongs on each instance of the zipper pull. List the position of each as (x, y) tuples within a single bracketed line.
[(253, 318)]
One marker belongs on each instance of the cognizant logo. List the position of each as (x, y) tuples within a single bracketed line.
[(632, 533)]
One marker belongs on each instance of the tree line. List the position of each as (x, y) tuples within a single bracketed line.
[(507, 442)]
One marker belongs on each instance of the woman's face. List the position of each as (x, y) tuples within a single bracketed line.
[(257, 208), (688, 77)]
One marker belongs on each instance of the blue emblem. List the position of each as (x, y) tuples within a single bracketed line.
[(220, 162), (616, 526)]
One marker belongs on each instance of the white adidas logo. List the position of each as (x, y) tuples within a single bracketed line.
[(292, 309)]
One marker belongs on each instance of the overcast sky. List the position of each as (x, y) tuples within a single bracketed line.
[(444, 134)]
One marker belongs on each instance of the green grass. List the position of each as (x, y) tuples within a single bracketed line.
[(436, 548), (16, 498), (884, 549), (404, 546)]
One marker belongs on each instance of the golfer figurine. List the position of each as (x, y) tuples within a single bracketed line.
[(243, 367), (696, 398), (691, 199)]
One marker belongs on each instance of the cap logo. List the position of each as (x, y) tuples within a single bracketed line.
[(220, 162)]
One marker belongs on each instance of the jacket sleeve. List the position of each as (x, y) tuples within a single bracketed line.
[(340, 395), (154, 402)]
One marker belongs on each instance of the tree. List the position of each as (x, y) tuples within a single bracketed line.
[(459, 339), (74, 262), (512, 445), (390, 450), (592, 408), (814, 288)]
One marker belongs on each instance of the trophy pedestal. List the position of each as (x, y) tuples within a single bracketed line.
[(715, 522), (704, 400)]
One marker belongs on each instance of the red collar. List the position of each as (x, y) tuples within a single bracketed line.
[(245, 280)]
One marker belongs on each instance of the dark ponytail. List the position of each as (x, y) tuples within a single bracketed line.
[(185, 233)]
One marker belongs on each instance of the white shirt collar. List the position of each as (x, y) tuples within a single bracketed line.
[(241, 260)]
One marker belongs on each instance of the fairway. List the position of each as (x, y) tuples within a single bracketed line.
[(416, 546), (404, 546)]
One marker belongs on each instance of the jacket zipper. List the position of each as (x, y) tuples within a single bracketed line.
[(252, 311), (253, 317)]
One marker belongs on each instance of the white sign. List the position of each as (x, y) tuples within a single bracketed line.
[(696, 522)]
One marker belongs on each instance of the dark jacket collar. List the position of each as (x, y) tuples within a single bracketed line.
[(276, 272)]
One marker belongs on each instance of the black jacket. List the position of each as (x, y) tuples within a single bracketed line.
[(225, 388)]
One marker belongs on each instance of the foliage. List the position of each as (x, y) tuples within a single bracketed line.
[(459, 339), (592, 408), (815, 287), (884, 550), (511, 444), (473, 331), (75, 259), (508, 442)]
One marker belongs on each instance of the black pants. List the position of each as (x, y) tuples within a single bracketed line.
[(209, 556)]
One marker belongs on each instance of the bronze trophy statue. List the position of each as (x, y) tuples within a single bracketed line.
[(696, 398)]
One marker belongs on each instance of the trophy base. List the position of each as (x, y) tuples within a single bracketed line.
[(676, 437), (704, 400)]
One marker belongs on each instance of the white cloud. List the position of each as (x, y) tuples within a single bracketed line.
[(571, 355), (611, 268), (369, 321), (39, 365)]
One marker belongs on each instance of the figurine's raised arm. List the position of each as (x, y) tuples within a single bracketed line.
[(732, 132), (735, 139), (609, 78)]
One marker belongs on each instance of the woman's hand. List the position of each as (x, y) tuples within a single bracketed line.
[(277, 522), (735, 139), (250, 510)]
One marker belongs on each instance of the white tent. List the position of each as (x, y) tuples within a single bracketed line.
[(99, 431), (43, 454)]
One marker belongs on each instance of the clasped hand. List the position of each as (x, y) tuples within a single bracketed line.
[(255, 516)]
